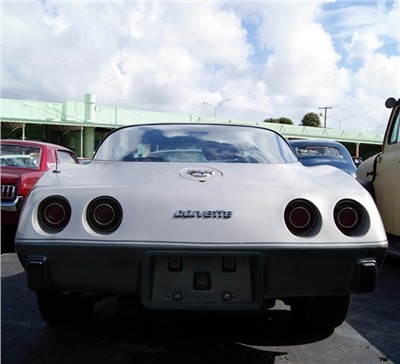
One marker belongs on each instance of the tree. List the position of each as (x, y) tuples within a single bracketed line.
[(270, 120), (281, 120), (311, 119)]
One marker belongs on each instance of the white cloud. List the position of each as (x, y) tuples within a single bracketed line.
[(270, 59), (212, 33), (362, 45), (379, 74), (301, 70), (58, 25), (379, 17)]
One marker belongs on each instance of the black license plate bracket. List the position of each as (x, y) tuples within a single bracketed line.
[(203, 280)]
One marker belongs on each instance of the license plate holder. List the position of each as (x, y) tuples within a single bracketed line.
[(203, 280)]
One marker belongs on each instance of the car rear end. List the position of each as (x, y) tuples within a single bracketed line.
[(182, 244)]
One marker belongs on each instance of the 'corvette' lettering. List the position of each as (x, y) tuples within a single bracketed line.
[(207, 214)]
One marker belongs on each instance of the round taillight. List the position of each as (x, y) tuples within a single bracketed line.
[(300, 217), (348, 216), (104, 214), (54, 214)]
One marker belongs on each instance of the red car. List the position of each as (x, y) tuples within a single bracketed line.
[(22, 164)]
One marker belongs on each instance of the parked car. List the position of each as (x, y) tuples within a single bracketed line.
[(357, 161), (22, 164), (313, 152), (196, 216), (380, 174)]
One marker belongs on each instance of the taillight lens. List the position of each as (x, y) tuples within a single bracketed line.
[(54, 214), (348, 216), (301, 217), (104, 214)]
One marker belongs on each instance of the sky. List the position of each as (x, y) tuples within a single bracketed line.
[(242, 60)]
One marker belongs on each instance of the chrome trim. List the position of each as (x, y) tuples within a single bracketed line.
[(206, 214), (8, 192), (12, 206)]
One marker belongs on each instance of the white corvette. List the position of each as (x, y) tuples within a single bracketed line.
[(199, 217)]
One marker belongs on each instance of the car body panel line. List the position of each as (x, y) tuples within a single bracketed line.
[(201, 245)]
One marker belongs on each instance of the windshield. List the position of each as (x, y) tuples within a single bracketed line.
[(20, 156), (196, 144)]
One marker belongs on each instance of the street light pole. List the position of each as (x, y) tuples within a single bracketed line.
[(325, 107), (340, 121), (348, 116), (215, 107)]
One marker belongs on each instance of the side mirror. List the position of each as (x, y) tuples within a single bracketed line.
[(390, 103)]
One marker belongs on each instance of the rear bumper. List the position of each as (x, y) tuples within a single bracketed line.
[(12, 206), (10, 211), (200, 281)]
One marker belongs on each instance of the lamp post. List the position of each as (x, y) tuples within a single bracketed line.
[(215, 107), (340, 121)]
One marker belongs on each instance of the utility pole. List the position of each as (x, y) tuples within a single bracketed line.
[(325, 108)]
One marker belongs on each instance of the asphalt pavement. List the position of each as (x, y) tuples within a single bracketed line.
[(128, 334)]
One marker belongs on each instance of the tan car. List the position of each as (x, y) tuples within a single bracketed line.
[(381, 174)]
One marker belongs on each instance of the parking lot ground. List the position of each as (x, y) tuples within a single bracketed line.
[(126, 334)]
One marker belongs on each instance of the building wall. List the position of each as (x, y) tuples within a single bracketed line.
[(82, 125)]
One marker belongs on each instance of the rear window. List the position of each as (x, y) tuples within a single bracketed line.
[(20, 156), (195, 143), (318, 151)]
